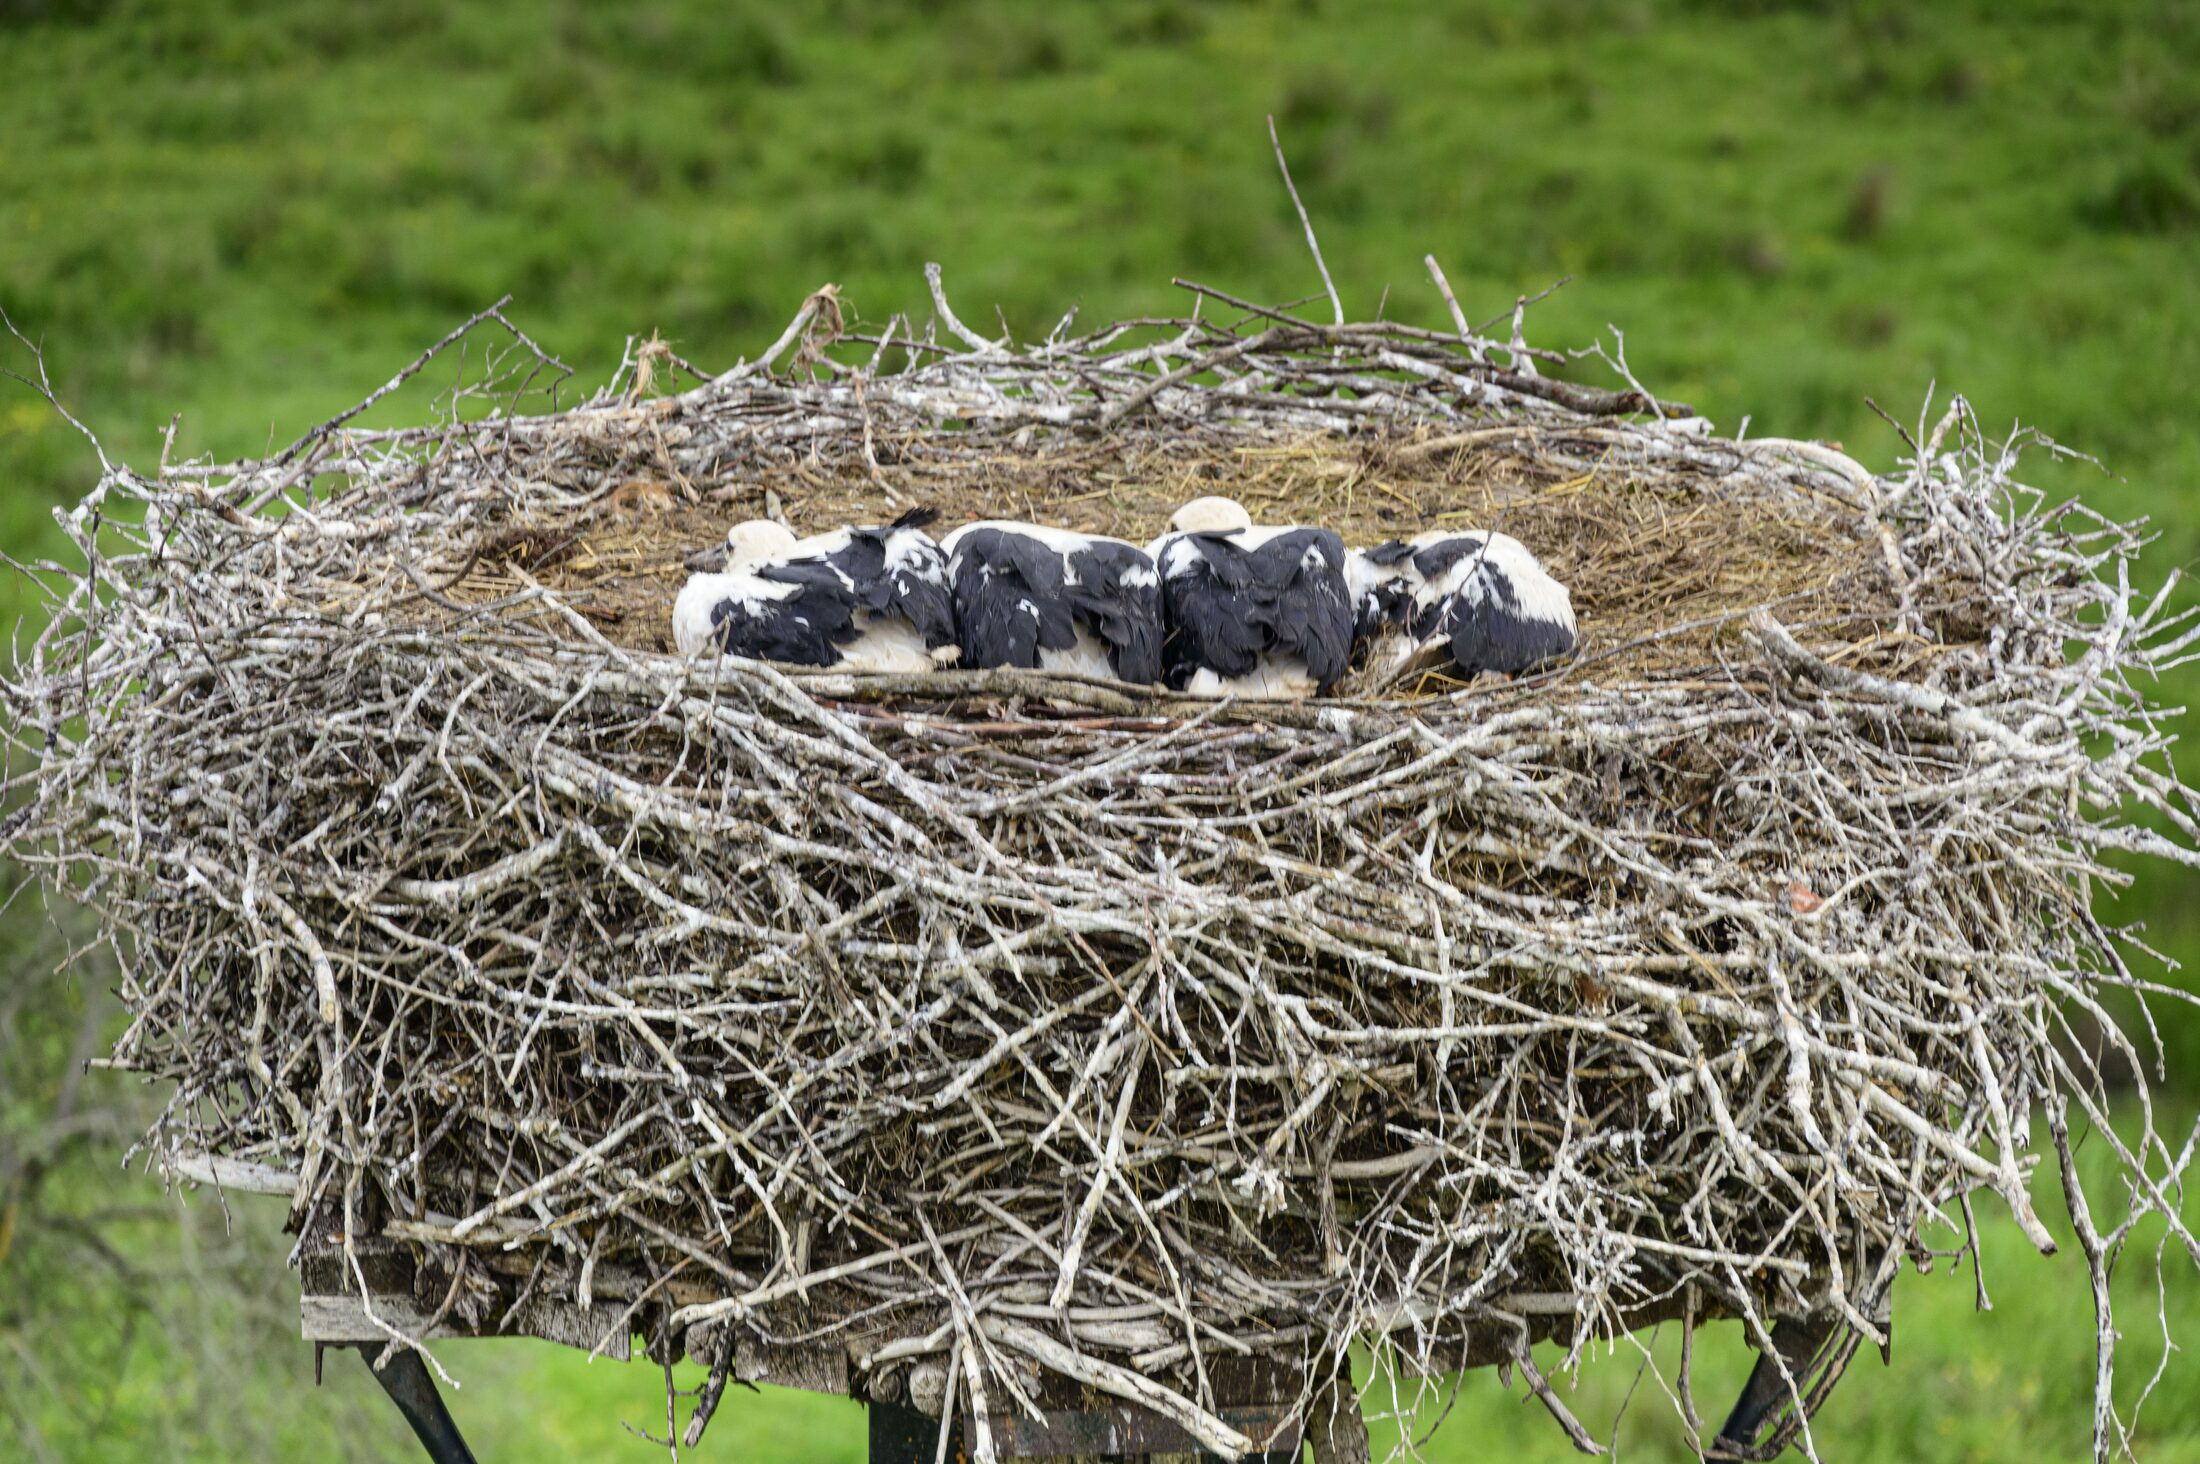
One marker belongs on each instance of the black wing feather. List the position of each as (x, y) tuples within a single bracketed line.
[(1490, 630), (806, 628), (916, 589), (1126, 616), (1209, 612), (1434, 561), (1233, 606), (1389, 605), (1313, 609), (1008, 599), (924, 600)]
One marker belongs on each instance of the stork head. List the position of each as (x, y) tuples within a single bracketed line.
[(1211, 516), (745, 544), (756, 540)]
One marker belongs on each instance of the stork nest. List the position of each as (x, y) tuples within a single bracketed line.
[(1007, 1024)]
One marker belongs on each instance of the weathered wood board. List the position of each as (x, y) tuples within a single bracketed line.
[(330, 1308)]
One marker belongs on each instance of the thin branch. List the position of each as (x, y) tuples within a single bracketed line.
[(1336, 303)]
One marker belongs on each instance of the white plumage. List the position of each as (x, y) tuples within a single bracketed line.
[(747, 544)]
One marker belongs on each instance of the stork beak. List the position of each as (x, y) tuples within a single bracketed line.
[(708, 561)]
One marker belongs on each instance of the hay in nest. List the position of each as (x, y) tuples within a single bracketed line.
[(986, 1025)]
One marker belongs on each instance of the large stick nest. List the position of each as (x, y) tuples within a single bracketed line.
[(1013, 1023)]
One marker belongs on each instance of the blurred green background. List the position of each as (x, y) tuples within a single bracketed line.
[(251, 214)]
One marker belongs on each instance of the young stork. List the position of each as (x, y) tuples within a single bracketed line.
[(1052, 600), (1482, 597), (1253, 612), (868, 599)]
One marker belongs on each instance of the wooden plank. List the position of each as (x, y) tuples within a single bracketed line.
[(344, 1319), (1260, 1394), (813, 1369), (236, 1175), (385, 1267), (1260, 1400)]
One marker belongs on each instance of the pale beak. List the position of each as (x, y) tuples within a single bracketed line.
[(708, 561)]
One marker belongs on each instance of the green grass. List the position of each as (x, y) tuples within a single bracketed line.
[(249, 214)]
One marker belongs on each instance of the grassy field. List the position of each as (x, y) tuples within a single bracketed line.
[(249, 214)]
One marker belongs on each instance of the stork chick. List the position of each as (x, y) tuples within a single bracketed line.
[(866, 599), (1251, 611), (1050, 599), (1479, 599)]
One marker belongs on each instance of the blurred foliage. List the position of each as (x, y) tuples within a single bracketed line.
[(133, 1326), (249, 213)]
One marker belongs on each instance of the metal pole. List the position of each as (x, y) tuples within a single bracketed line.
[(902, 1435), (412, 1388)]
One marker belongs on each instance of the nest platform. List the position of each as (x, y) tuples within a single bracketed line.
[(1002, 1045)]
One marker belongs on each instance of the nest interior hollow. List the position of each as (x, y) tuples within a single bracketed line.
[(1658, 562)]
